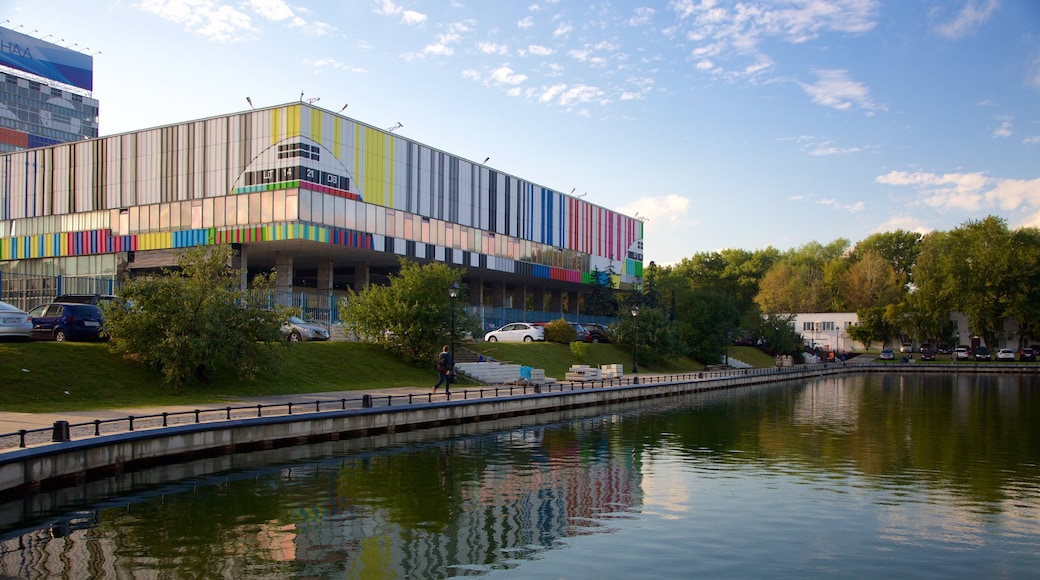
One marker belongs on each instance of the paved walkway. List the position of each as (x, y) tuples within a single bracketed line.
[(11, 422)]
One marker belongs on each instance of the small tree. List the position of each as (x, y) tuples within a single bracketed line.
[(412, 315), (194, 321)]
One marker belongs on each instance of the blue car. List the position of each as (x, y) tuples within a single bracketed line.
[(887, 354), (63, 321)]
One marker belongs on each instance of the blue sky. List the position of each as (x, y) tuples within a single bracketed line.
[(725, 124)]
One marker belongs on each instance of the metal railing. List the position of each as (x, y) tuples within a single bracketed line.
[(65, 431)]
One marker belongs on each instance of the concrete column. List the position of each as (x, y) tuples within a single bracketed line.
[(572, 302), (325, 275), (283, 263), (361, 276), (240, 262)]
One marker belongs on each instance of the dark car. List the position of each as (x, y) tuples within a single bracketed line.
[(927, 353), (1027, 354), (596, 333), (63, 321), (582, 332), (85, 298), (945, 349), (982, 353)]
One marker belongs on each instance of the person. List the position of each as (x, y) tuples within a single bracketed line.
[(445, 364)]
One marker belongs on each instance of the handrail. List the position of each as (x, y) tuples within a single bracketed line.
[(98, 427)]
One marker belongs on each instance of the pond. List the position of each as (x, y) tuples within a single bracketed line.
[(858, 476)]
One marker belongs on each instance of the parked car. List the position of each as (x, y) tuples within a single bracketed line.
[(596, 333), (516, 332), (944, 349), (1005, 354), (298, 329), (906, 347), (961, 353), (927, 353), (1028, 354), (887, 354), (85, 298), (582, 333), (63, 321), (14, 322), (982, 353)]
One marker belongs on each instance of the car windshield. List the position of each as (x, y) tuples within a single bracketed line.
[(296, 320)]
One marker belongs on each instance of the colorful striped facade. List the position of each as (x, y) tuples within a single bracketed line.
[(299, 173)]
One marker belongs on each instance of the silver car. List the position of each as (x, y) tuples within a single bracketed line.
[(298, 330), (14, 322)]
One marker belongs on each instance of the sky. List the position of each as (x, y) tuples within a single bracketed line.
[(722, 124)]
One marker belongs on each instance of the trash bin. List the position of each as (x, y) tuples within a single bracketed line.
[(61, 431)]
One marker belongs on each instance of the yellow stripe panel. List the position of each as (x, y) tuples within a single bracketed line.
[(293, 114), (337, 136), (276, 126), (373, 168), (316, 125)]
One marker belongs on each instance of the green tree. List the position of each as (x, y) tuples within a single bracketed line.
[(872, 327), (411, 316), (703, 323), (601, 299), (899, 249), (656, 336), (193, 322)]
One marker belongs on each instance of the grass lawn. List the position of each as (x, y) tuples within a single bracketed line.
[(35, 375)]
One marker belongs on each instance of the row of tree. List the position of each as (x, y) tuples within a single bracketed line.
[(901, 284)]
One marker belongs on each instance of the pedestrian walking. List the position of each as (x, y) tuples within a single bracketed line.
[(445, 368)]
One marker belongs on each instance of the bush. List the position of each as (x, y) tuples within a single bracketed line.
[(560, 331), (578, 349)]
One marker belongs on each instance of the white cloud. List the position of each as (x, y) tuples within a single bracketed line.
[(471, 74), (539, 50), (272, 9), (1004, 130), (850, 207), (971, 16), (1034, 140), (740, 29), (967, 191), (835, 89), (826, 150), (219, 23), (664, 209), (563, 30), (506, 75), (492, 48), (410, 17), (641, 15), (527, 22), (331, 63)]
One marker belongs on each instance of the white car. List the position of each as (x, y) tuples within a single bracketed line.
[(961, 353), (516, 332), (14, 322), (1005, 354), (298, 330)]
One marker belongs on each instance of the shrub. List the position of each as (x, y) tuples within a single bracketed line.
[(560, 331), (579, 349)]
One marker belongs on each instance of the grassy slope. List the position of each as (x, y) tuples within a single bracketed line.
[(98, 379)]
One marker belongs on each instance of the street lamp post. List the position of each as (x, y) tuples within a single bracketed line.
[(635, 338), (453, 291)]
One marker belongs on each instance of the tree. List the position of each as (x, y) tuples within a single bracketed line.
[(869, 282), (602, 299), (656, 336), (872, 327), (412, 315), (193, 322), (703, 323), (899, 249)]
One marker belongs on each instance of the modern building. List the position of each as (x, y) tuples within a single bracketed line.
[(329, 202), (44, 93)]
